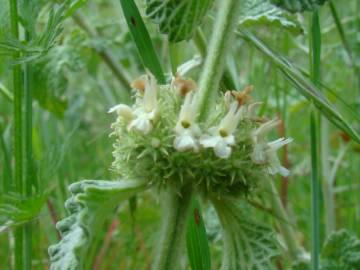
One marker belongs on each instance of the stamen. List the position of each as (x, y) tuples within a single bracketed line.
[(243, 96), (223, 133), (185, 124)]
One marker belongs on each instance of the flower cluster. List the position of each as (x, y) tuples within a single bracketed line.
[(160, 139)]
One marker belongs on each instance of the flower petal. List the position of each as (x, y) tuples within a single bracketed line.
[(209, 141), (185, 142), (141, 124), (222, 150)]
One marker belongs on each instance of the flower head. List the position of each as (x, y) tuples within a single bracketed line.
[(221, 138)]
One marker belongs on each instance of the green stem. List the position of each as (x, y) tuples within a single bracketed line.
[(224, 27), (176, 205), (200, 42), (29, 179), (175, 56), (17, 135), (284, 222), (328, 190), (315, 59)]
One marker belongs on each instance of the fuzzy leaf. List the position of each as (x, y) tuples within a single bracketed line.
[(92, 201), (261, 12), (177, 19), (298, 5), (341, 251), (248, 245)]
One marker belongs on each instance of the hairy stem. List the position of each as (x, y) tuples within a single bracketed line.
[(227, 81), (224, 27), (176, 205)]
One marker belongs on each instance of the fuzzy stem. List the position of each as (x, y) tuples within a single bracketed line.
[(176, 205), (224, 27), (285, 225)]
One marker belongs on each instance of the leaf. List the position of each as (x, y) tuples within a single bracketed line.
[(248, 245), (341, 251), (92, 201), (298, 5), (196, 240), (41, 44), (177, 19), (261, 12), (16, 209), (142, 39), (302, 84)]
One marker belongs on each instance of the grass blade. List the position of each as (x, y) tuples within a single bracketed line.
[(315, 56), (142, 39), (196, 240), (307, 88)]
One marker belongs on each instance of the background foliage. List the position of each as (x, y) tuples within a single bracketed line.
[(84, 58)]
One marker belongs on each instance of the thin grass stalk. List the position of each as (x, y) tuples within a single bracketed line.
[(17, 132), (284, 223), (29, 179), (315, 58)]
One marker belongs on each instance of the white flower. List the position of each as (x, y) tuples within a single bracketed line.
[(187, 131), (265, 152), (259, 141), (143, 113), (221, 138), (274, 165), (122, 110)]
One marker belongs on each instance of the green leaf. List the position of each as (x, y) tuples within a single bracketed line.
[(177, 19), (142, 39), (196, 240), (92, 201), (42, 42), (306, 88), (16, 209), (298, 5), (248, 245), (261, 12), (341, 251)]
